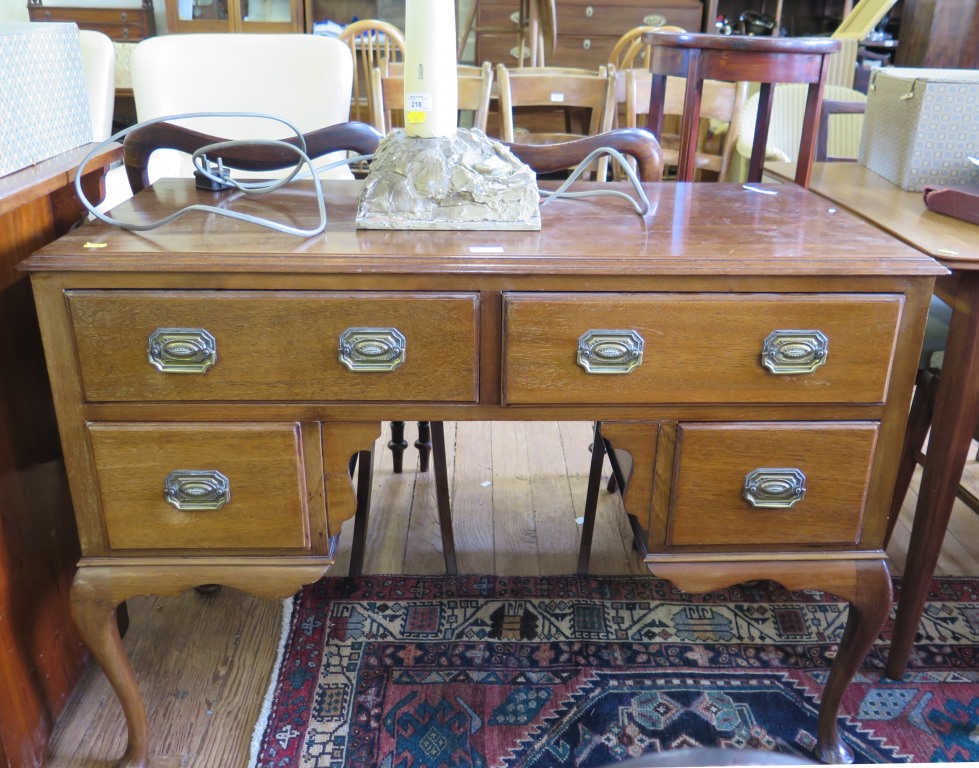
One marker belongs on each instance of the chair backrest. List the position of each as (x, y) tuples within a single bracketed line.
[(631, 142), (721, 102), (560, 89), (631, 50), (99, 63), (371, 43), (388, 95), (788, 111), (305, 79), (141, 143)]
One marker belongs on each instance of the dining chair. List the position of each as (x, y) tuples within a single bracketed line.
[(99, 64), (556, 89), (631, 51), (721, 105), (735, 58), (371, 43), (836, 138), (387, 93), (176, 74)]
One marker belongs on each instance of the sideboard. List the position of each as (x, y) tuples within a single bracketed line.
[(753, 351)]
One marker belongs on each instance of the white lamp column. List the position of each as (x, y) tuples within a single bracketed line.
[(431, 80)]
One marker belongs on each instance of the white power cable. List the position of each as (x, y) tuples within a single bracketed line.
[(642, 206)]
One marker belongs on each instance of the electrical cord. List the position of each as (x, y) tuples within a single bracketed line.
[(641, 207), (221, 179)]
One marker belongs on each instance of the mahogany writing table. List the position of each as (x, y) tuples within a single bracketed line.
[(213, 379), (955, 243)]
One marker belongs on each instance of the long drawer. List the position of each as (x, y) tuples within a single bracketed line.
[(202, 486), (698, 348), (592, 18), (752, 486), (248, 346)]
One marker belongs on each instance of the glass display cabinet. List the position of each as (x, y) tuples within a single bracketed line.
[(235, 16)]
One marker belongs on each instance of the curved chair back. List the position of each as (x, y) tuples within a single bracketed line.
[(306, 79), (631, 50), (139, 146), (372, 44), (636, 143)]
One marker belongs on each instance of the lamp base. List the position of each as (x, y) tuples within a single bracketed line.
[(465, 181)]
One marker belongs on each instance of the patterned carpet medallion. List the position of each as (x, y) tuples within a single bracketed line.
[(474, 672)]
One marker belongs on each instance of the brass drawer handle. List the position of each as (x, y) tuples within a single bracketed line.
[(610, 351), (182, 350), (586, 44), (366, 350), (654, 20), (589, 11), (774, 488), (786, 352), (196, 489)]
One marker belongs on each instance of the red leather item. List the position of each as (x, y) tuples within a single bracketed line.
[(960, 202)]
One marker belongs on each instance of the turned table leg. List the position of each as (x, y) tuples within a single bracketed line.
[(870, 604), (94, 609)]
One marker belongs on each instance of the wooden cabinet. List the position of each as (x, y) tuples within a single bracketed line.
[(127, 25), (586, 29), (235, 16), (762, 352)]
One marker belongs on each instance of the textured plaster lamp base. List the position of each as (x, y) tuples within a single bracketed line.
[(465, 181)]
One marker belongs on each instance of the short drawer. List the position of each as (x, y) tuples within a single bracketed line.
[(698, 348), (715, 463), (596, 18), (202, 486), (284, 345)]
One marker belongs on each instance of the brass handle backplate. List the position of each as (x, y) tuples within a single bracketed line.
[(372, 349), (774, 488), (610, 351), (788, 352), (197, 489), (182, 350), (654, 20)]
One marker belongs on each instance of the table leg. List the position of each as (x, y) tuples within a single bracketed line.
[(953, 427), (98, 589), (865, 584)]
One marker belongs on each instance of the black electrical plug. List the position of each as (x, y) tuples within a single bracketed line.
[(222, 174)]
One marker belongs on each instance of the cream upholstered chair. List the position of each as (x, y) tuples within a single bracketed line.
[(305, 79), (788, 109), (99, 63), (388, 95)]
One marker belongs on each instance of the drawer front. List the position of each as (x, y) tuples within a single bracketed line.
[(500, 49), (263, 507), (596, 18), (831, 462), (698, 348), (275, 346), (118, 24)]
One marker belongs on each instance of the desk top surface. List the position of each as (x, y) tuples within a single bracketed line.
[(692, 229), (903, 214)]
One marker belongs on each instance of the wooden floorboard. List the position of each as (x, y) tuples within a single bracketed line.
[(204, 661)]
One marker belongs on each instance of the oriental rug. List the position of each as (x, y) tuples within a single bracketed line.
[(514, 672)]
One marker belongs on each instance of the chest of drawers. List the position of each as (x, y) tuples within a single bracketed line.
[(586, 31), (129, 25), (210, 390)]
